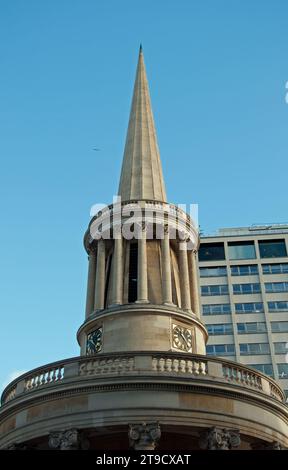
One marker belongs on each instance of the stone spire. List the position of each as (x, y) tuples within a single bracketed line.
[(141, 175)]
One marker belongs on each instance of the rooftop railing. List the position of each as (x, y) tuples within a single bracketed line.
[(152, 364)]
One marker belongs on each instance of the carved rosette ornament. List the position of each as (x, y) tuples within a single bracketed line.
[(220, 439), (144, 436), (65, 440)]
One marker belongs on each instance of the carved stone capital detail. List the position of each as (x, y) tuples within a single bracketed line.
[(65, 440), (166, 229), (220, 439), (144, 436)]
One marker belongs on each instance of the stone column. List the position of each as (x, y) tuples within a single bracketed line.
[(91, 283), (166, 268), (184, 276), (117, 293), (195, 300), (220, 439), (142, 287), (144, 436), (100, 276)]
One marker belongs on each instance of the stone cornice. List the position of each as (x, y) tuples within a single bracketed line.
[(165, 383)]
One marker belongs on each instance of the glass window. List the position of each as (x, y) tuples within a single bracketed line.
[(279, 326), (276, 287), (214, 290), (249, 307), (282, 370), (213, 271), (245, 270), (254, 348), (220, 329), (211, 252), (216, 309), (276, 268), (264, 368), (220, 350), (272, 248), (280, 306), (241, 250), (251, 327), (281, 347), (246, 288)]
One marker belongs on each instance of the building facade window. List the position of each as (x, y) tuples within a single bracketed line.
[(278, 306), (216, 271), (241, 250), (220, 329), (281, 347), (279, 326), (271, 287), (264, 368), (211, 252), (276, 268), (282, 370), (245, 270), (214, 290), (254, 348), (254, 288), (216, 309), (251, 327), (272, 248), (220, 350), (249, 307)]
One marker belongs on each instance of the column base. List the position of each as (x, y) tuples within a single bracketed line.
[(142, 301), (115, 304), (188, 310), (97, 310)]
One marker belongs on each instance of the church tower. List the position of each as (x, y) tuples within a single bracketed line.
[(142, 379), (142, 283)]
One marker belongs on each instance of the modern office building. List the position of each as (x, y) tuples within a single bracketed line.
[(243, 275)]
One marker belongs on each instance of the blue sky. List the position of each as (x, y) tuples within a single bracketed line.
[(217, 72)]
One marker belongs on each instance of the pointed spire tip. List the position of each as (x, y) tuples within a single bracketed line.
[(140, 49), (141, 174)]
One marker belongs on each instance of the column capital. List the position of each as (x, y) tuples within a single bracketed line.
[(92, 249), (166, 229), (65, 440), (220, 439), (142, 227), (144, 436)]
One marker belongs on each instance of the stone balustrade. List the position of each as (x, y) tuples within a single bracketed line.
[(242, 375), (114, 365), (44, 376), (11, 393), (179, 365), (177, 217), (275, 392), (154, 364)]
